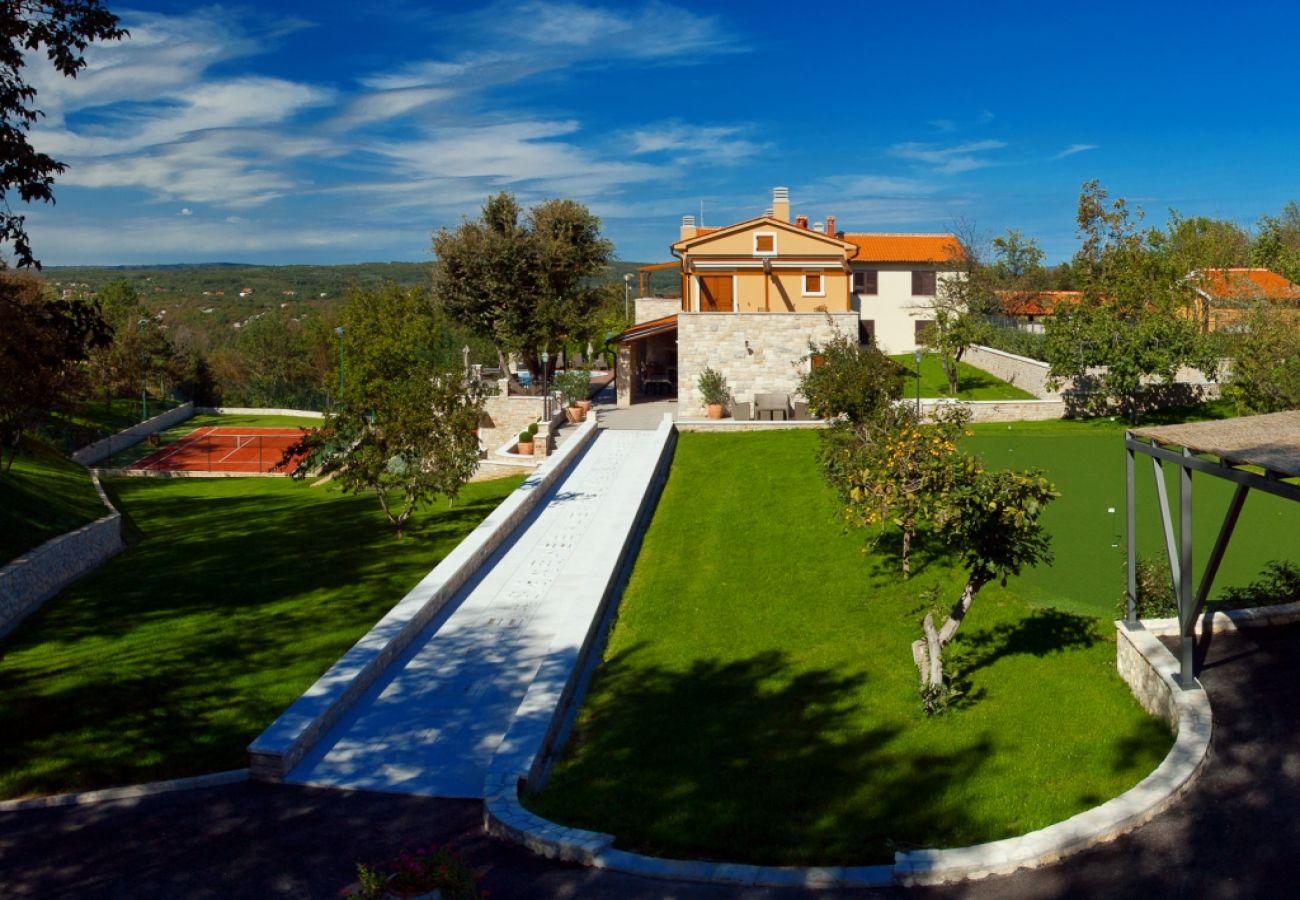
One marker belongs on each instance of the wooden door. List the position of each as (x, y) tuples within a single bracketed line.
[(715, 293)]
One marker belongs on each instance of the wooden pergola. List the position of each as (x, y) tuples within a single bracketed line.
[(1256, 452)]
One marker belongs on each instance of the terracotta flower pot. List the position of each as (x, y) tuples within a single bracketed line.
[(586, 405), (575, 413), (524, 449), (716, 410)]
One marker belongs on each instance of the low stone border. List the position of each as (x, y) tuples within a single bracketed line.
[(41, 573), (1230, 620), (129, 792), (184, 473), (281, 746), (1149, 668), (257, 411), (129, 437), (746, 424)]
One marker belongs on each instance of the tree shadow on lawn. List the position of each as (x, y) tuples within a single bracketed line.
[(751, 760), (1042, 632)]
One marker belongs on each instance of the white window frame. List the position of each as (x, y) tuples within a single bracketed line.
[(772, 235), (808, 293)]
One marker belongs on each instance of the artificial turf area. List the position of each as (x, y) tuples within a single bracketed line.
[(172, 657), (758, 702), (972, 383), (43, 495)]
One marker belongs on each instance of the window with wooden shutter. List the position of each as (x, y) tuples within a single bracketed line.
[(923, 284), (814, 285), (866, 281), (765, 243)]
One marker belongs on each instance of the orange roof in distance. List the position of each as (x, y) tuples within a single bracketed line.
[(1242, 283), (927, 248), (1036, 303)]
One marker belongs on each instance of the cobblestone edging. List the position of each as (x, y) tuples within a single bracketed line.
[(282, 745), (129, 437), (127, 792), (1146, 664), (36, 576)]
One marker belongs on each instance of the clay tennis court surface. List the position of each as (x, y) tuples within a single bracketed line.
[(251, 451)]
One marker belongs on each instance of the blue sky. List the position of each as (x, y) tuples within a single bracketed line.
[(324, 132)]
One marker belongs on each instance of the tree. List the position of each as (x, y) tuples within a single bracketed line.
[(1201, 242), (850, 381), (990, 520), (406, 427), (43, 343), (1134, 324), (1277, 242), (522, 281), (63, 29), (959, 310), (1017, 258), (1266, 365)]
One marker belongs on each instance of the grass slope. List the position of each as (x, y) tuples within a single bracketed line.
[(758, 702), (972, 383), (169, 659), (43, 496)]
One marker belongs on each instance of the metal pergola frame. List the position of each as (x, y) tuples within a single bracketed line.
[(1179, 549)]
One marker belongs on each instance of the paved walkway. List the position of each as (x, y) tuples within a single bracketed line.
[(433, 722), (1235, 834)]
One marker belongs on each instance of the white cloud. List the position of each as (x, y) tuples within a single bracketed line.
[(708, 144), (1073, 149), (949, 160), (186, 211)]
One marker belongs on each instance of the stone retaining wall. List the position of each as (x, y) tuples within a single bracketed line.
[(509, 416), (257, 411), (38, 575), (1021, 371), (1001, 410), (129, 437)]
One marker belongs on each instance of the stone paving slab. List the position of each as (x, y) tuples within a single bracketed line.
[(433, 723)]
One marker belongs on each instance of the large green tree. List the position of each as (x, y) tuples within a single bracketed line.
[(62, 30), (1277, 242), (44, 343), (524, 281), (1266, 363), (1134, 325), (406, 429)]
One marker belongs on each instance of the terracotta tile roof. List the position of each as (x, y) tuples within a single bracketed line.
[(931, 248), (645, 329), (1035, 303), (1245, 284)]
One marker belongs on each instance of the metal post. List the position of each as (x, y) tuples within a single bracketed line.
[(546, 396), (144, 385), (1186, 607), (339, 332), (916, 354), (627, 289), (1130, 523)]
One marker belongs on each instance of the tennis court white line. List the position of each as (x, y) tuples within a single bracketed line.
[(177, 446)]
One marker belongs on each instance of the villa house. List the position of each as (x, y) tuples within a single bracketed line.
[(756, 294), (1224, 296)]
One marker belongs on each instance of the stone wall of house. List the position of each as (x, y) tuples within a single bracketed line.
[(648, 308), (39, 574), (760, 352), (129, 437)]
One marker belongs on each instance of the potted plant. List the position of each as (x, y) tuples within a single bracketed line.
[(714, 390), (574, 385), (524, 445), (435, 872)]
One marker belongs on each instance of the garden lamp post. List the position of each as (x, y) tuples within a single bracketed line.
[(916, 354), (546, 401), (627, 290)]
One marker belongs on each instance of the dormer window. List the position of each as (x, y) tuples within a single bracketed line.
[(765, 243), (814, 285)]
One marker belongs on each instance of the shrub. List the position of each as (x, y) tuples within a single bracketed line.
[(419, 871), (1279, 584), (574, 385), (1010, 339), (850, 380), (1155, 591), (525, 436), (713, 387)]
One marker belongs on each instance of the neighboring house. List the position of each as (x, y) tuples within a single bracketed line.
[(1225, 296), (1028, 308), (756, 294)]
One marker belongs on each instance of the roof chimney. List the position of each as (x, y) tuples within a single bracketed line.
[(768, 212), (819, 227), (688, 227), (781, 203), (830, 226), (801, 221)]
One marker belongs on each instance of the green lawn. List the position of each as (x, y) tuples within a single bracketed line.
[(1086, 462), (124, 458), (758, 701), (972, 383), (43, 496), (172, 657)]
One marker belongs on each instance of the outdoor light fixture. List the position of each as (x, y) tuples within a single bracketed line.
[(627, 290)]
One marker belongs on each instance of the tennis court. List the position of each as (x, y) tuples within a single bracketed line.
[(243, 450)]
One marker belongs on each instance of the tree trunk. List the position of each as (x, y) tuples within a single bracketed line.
[(907, 553), (928, 653)]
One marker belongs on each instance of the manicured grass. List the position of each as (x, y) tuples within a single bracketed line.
[(172, 657), (1085, 460), (124, 458), (43, 496), (972, 383), (758, 701)]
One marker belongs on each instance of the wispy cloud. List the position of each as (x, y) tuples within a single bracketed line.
[(1073, 149), (709, 144), (949, 160)]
